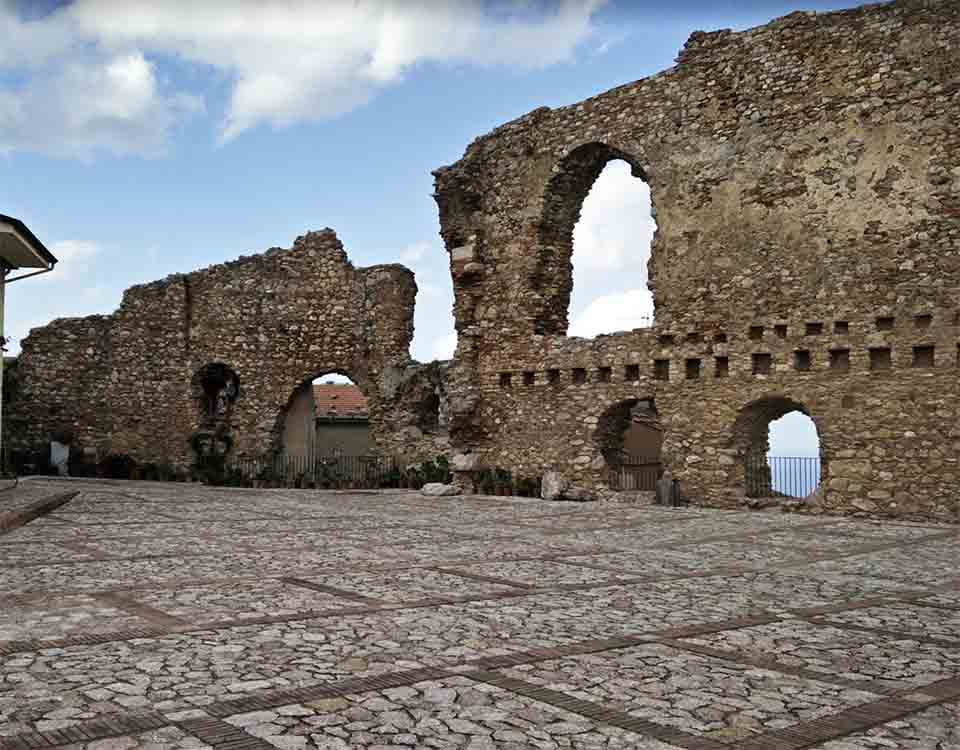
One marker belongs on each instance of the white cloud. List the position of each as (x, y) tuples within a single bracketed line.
[(91, 80), (413, 254), (445, 346), (434, 335), (611, 247), (615, 227), (794, 434), (73, 259), (622, 311), (613, 39), (29, 44), (333, 377), (88, 104)]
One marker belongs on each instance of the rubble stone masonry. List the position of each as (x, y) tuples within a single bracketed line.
[(125, 383), (806, 181)]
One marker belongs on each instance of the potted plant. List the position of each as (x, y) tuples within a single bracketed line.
[(392, 478), (503, 481), (487, 485)]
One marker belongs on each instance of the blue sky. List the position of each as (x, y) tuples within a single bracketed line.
[(140, 138)]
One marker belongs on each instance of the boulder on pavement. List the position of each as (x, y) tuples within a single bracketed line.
[(436, 489)]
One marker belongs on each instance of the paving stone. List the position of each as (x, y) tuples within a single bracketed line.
[(476, 716), (696, 694), (936, 728), (853, 655), (188, 618)]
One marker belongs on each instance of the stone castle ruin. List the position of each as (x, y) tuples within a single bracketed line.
[(806, 181), (216, 357)]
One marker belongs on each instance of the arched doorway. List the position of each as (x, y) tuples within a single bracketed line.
[(328, 415), (629, 437), (779, 449), (324, 436)]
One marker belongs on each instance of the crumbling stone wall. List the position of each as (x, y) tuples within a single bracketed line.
[(806, 181), (124, 382)]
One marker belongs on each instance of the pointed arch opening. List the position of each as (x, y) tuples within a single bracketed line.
[(598, 225)]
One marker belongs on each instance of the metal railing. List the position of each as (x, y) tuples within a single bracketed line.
[(781, 476), (320, 471), (635, 473)]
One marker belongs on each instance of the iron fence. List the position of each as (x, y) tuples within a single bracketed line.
[(320, 471), (636, 473), (781, 476)]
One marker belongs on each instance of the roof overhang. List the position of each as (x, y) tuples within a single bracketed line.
[(19, 247)]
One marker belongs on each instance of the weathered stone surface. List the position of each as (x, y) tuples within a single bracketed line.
[(438, 489), (466, 462), (581, 494), (805, 181), (268, 587), (122, 382), (553, 486)]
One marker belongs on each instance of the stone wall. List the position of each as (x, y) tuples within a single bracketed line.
[(124, 382), (806, 182)]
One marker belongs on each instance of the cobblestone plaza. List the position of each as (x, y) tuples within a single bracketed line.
[(148, 615)]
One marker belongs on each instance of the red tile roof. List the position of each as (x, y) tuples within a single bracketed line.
[(339, 400)]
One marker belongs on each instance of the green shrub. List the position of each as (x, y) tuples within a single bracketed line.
[(116, 466), (487, 482), (502, 477)]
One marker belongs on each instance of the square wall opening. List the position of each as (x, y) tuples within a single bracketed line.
[(762, 363), (840, 359), (881, 358), (924, 356)]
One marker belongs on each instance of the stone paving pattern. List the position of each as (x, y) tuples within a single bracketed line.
[(158, 616)]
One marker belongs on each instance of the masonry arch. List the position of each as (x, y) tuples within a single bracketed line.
[(551, 280), (214, 388), (786, 471), (629, 439), (327, 414)]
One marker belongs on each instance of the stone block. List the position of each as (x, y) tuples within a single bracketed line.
[(437, 489)]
